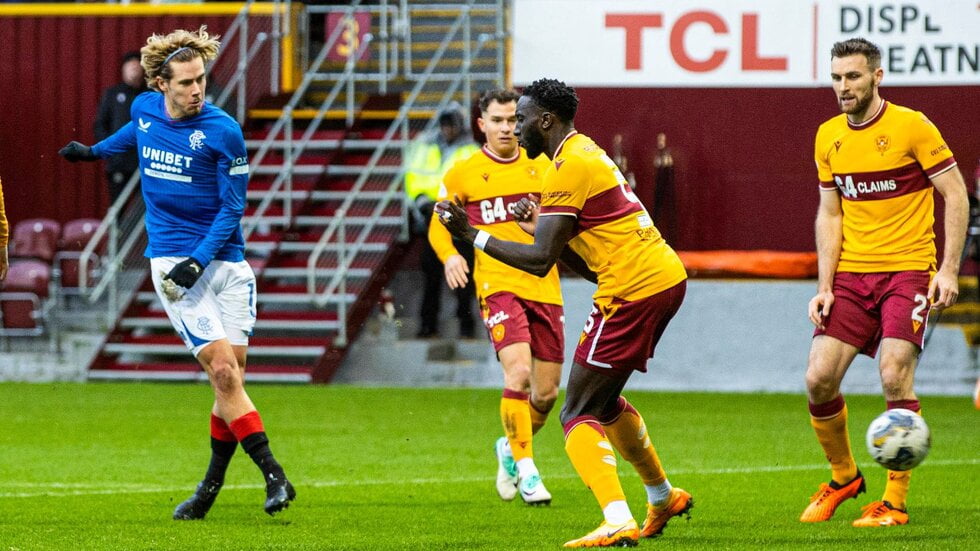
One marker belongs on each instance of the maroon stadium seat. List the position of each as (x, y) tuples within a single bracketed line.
[(28, 276), (22, 299), (77, 233), (21, 314), (74, 238), (36, 238)]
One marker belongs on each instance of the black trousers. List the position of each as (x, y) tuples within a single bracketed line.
[(434, 274)]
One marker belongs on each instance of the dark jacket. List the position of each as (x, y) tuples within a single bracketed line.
[(114, 114)]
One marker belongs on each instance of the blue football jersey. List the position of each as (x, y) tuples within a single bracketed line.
[(194, 173)]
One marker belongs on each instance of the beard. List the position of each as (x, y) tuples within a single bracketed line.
[(861, 105), (533, 144)]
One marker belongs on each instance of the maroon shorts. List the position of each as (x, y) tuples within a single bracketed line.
[(869, 307), (624, 335), (510, 319)]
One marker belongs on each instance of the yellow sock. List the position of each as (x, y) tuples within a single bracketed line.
[(628, 434), (538, 418), (897, 486), (829, 421), (515, 413), (594, 461)]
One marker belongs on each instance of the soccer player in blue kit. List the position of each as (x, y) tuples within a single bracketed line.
[(194, 171)]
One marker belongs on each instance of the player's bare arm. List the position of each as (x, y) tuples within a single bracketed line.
[(455, 266), (456, 272), (829, 231), (944, 287), (551, 236)]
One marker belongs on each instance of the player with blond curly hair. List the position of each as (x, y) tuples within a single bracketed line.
[(194, 171)]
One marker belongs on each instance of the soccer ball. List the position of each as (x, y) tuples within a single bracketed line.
[(899, 439)]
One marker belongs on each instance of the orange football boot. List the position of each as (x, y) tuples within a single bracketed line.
[(829, 497), (881, 513), (679, 503), (609, 535)]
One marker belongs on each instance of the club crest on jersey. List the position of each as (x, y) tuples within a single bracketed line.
[(197, 140), (881, 143), (204, 325)]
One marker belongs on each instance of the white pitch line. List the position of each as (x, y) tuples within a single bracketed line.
[(72, 489)]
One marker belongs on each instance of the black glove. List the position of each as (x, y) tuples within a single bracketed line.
[(186, 273), (75, 152)]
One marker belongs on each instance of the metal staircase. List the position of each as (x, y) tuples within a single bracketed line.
[(325, 214)]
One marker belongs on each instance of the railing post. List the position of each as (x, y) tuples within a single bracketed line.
[(407, 26), (406, 136), (243, 70), (342, 267), (276, 38), (116, 268), (467, 57), (501, 36), (350, 102), (287, 202), (383, 48)]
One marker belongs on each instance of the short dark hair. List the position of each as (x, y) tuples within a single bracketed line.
[(855, 46), (499, 95), (553, 95), (130, 56), (451, 117)]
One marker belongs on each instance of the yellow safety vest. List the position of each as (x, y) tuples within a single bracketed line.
[(425, 167)]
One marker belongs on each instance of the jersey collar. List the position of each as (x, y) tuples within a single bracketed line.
[(872, 120), (497, 158)]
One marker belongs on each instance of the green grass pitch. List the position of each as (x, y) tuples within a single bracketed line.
[(101, 466)]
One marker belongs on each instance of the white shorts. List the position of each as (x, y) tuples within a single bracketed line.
[(221, 305)]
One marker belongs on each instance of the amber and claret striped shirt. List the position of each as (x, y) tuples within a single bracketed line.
[(4, 229), (614, 234), (489, 187), (882, 169)]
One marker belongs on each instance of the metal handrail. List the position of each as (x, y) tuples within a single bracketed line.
[(401, 118), (239, 76), (296, 150), (88, 253), (339, 279), (287, 114)]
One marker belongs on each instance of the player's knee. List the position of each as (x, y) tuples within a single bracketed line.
[(895, 380), (225, 374), (544, 400), (820, 386), (517, 376)]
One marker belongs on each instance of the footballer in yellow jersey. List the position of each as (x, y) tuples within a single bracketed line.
[(489, 186), (641, 283), (878, 164), (522, 312), (883, 169)]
